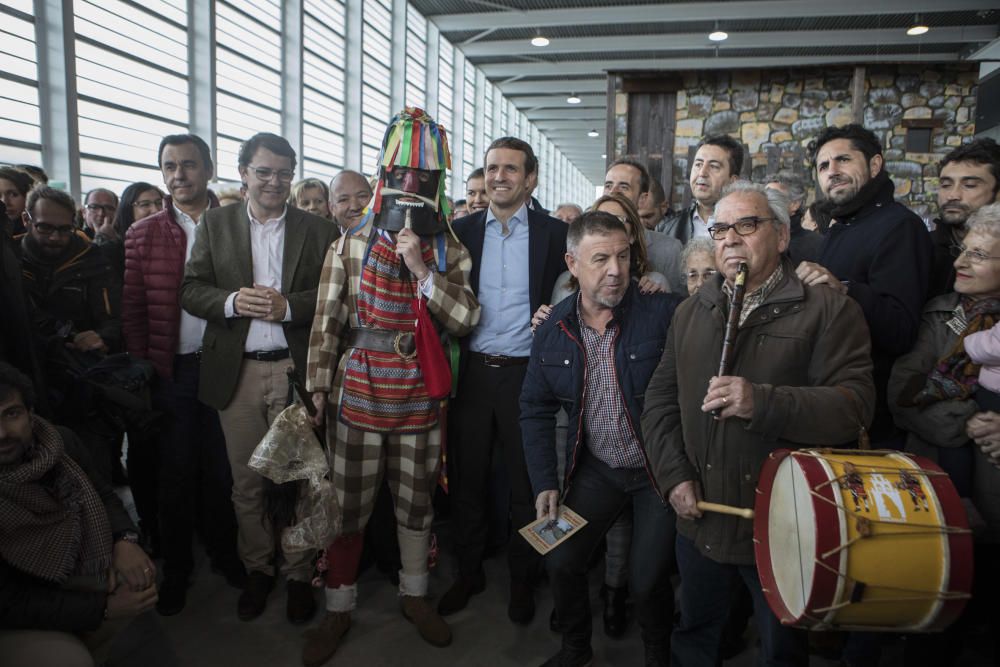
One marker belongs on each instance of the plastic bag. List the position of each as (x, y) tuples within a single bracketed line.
[(290, 452)]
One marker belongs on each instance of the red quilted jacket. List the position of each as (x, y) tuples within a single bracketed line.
[(155, 249)]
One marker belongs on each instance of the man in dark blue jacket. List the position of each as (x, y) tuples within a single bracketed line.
[(594, 356)]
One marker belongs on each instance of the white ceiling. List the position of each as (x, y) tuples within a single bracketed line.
[(588, 38)]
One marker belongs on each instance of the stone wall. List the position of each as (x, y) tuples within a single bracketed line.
[(776, 113)]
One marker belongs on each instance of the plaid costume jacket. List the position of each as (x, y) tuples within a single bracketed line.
[(452, 304)]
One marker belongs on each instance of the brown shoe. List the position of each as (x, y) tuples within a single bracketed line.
[(301, 603), (430, 625), (253, 599), (322, 641)]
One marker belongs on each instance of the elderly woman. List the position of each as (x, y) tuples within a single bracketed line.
[(933, 392), (311, 195), (698, 263)]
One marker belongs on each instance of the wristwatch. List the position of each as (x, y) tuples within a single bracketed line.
[(127, 536)]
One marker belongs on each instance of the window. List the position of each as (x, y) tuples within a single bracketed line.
[(468, 144), (416, 57), (324, 88), (20, 123), (131, 78), (446, 94), (248, 77), (376, 61)]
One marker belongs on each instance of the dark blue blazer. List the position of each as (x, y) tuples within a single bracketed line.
[(546, 251)]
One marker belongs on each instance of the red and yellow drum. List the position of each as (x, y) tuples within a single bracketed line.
[(869, 540)]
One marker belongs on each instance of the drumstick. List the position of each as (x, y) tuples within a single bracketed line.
[(744, 512)]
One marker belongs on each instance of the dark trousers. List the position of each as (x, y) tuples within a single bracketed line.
[(707, 591), (486, 412), (193, 467), (598, 494)]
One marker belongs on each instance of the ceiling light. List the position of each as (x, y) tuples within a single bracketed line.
[(718, 36), (592, 133), (540, 41), (918, 27), (604, 156), (573, 99)]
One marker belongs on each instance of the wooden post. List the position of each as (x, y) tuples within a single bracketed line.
[(858, 95)]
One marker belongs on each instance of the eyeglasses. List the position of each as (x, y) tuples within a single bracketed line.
[(46, 229), (743, 227), (704, 275), (107, 208), (146, 203), (974, 256), (266, 173)]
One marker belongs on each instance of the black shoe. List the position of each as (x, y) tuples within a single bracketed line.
[(254, 597), (615, 618), (233, 571), (522, 603), (457, 597), (554, 621), (567, 657), (301, 601), (172, 595)]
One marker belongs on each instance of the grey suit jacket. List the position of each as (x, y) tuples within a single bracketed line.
[(221, 264)]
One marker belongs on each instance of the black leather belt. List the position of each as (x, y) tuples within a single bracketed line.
[(382, 340), (269, 355), (497, 360)]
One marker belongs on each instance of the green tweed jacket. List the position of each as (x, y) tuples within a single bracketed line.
[(221, 264)]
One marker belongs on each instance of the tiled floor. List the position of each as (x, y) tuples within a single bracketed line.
[(208, 634)]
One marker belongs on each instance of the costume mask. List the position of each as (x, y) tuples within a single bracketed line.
[(410, 190)]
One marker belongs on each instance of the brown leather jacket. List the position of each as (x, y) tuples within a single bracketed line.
[(801, 349)]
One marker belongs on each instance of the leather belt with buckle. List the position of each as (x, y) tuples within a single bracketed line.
[(498, 360), (268, 355), (383, 340)]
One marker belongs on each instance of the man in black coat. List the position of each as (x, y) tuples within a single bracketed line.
[(968, 180), (876, 251), (517, 254)]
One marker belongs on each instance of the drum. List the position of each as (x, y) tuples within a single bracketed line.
[(865, 540)]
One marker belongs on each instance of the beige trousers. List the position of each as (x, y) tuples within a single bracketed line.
[(261, 393)]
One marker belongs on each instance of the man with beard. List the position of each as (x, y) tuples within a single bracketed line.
[(191, 452), (968, 181), (71, 572), (350, 194), (877, 251), (717, 163), (371, 382), (253, 276), (594, 356)]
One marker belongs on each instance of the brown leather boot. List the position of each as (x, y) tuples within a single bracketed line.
[(322, 641), (430, 625)]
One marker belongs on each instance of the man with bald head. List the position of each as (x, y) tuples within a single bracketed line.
[(349, 196)]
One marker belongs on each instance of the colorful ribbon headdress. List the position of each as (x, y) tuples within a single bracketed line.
[(414, 140)]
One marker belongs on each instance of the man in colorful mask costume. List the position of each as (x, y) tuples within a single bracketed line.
[(367, 374)]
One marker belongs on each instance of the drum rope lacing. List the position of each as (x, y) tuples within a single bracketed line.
[(865, 531)]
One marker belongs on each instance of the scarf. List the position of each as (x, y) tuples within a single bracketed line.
[(52, 522), (870, 191), (955, 375)]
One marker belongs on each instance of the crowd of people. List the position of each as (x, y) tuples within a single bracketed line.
[(481, 355)]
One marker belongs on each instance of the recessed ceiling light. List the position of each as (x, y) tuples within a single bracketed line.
[(918, 27), (592, 133), (540, 41), (604, 156), (718, 36), (573, 99)]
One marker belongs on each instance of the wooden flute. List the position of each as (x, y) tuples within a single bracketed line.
[(733, 322)]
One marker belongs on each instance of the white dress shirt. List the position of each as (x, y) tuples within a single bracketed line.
[(192, 328)]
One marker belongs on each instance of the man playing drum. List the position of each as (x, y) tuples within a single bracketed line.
[(801, 377)]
